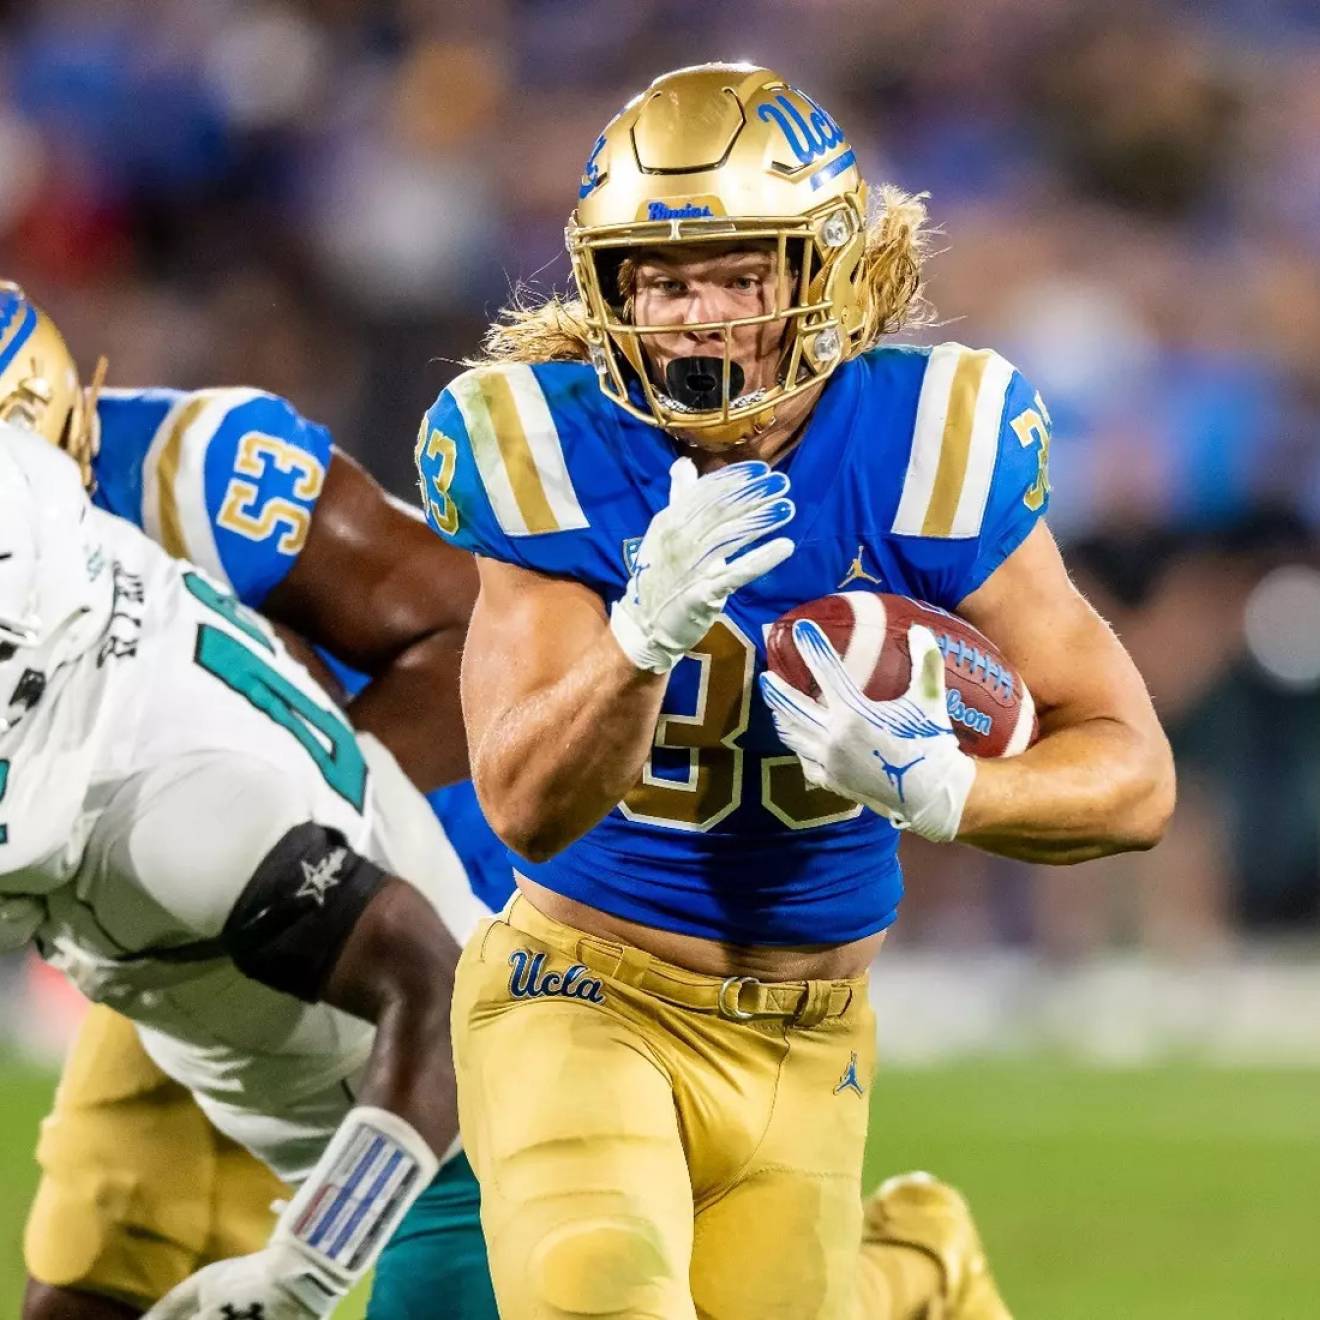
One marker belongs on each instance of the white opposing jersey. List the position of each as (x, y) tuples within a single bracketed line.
[(141, 792)]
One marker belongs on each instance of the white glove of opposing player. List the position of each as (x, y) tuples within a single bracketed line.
[(900, 758), (685, 568), (276, 1283), (372, 1170)]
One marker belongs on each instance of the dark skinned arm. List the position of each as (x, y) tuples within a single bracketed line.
[(396, 969), (379, 590)]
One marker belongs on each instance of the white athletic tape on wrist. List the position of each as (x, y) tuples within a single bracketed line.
[(374, 1168)]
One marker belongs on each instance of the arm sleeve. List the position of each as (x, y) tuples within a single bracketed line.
[(946, 569)]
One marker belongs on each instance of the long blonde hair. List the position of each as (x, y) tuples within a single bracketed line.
[(554, 329)]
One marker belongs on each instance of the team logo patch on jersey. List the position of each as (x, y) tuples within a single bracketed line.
[(321, 878), (856, 573), (630, 548), (849, 1081), (530, 980)]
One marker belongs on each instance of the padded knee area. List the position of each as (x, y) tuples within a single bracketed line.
[(604, 1266)]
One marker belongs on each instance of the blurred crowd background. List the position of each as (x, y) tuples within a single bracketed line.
[(330, 199)]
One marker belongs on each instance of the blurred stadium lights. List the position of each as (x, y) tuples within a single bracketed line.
[(1282, 622)]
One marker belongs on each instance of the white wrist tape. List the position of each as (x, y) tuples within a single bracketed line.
[(374, 1168)]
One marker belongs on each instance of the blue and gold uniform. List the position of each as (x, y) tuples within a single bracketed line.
[(139, 1190), (919, 472)]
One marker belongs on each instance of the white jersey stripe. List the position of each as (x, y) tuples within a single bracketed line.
[(927, 439), (174, 508), (495, 476), (547, 449), (984, 450)]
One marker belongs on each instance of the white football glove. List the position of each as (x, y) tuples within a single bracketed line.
[(372, 1170), (686, 569), (900, 758), (276, 1283)]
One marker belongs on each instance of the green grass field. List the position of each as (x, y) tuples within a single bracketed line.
[(1169, 1194)]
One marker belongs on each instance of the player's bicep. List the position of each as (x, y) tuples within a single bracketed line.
[(404, 583), (396, 950), (1070, 659), (527, 631)]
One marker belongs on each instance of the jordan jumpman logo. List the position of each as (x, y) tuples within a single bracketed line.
[(894, 773), (856, 573)]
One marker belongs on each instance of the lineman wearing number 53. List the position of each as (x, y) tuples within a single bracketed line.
[(715, 431)]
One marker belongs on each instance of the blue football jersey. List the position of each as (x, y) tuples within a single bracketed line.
[(229, 479), (919, 472)]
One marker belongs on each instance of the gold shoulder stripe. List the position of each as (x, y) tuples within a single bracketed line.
[(515, 451), (518, 451), (171, 521), (955, 444)]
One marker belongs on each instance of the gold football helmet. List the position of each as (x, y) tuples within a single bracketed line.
[(39, 386), (721, 153)]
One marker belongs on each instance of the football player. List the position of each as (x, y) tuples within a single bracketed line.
[(191, 831), (664, 1045), (240, 481)]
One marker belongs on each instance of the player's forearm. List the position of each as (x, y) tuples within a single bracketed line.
[(553, 765), (411, 1071), (424, 678), (397, 972), (1084, 791)]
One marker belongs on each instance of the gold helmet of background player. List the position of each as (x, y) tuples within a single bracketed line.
[(722, 153), (39, 386)]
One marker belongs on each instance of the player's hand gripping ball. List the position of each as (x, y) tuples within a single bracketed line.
[(887, 700)]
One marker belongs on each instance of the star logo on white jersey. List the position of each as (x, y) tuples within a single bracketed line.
[(318, 880), (856, 573)]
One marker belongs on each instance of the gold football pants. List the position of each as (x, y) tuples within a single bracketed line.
[(651, 1142), (138, 1190)]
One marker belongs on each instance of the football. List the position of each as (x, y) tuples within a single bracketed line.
[(989, 705)]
